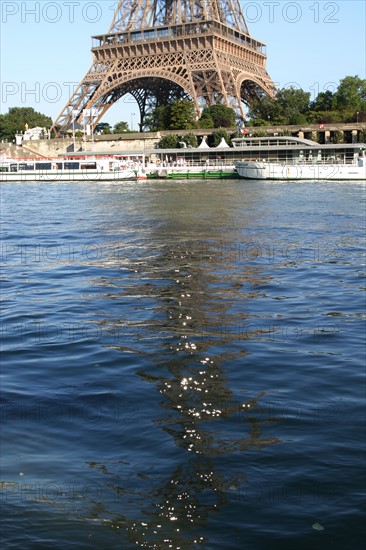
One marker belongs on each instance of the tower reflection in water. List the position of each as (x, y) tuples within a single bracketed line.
[(191, 354)]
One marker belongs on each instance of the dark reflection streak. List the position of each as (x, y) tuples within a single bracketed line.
[(189, 373)]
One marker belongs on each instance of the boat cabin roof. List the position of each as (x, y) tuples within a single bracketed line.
[(274, 141)]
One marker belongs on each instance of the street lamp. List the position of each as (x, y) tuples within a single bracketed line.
[(132, 115), (74, 114), (357, 116), (93, 116)]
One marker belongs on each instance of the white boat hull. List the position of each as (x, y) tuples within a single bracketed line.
[(193, 171), (275, 171), (69, 176)]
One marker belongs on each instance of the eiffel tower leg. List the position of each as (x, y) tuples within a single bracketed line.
[(79, 101), (142, 98)]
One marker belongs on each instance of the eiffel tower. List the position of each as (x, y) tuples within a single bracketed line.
[(164, 50)]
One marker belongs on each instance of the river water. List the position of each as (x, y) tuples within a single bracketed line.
[(183, 365)]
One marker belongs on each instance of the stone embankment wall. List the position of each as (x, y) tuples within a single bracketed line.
[(9, 150), (112, 144), (45, 148)]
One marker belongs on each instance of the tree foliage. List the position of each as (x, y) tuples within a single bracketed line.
[(178, 115), (351, 94), (169, 142), (120, 127), (103, 128), (293, 106), (182, 115), (174, 141), (323, 102), (190, 140), (18, 119), (220, 115), (338, 137), (215, 139), (289, 107), (206, 121), (158, 118)]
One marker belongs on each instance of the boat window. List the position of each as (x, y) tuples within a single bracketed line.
[(13, 168), (72, 165), (4, 168), (25, 166), (43, 166), (88, 166)]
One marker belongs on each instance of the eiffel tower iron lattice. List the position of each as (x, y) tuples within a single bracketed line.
[(160, 50)]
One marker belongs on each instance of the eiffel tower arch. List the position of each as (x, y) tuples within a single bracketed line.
[(163, 50)]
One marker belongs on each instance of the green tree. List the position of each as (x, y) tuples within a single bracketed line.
[(158, 118), (293, 102), (293, 106), (169, 142), (190, 140), (323, 101), (264, 111), (103, 128), (177, 115), (359, 115), (337, 137), (18, 119), (362, 136), (182, 115), (316, 117), (259, 133), (120, 127), (221, 115), (258, 122), (206, 121), (215, 138), (350, 94), (290, 106), (297, 118)]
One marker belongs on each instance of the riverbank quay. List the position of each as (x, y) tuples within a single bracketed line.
[(112, 144), (270, 157)]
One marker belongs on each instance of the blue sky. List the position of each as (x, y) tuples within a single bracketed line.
[(45, 47)]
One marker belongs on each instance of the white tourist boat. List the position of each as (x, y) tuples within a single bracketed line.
[(265, 158), (69, 169), (295, 159), (193, 162)]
